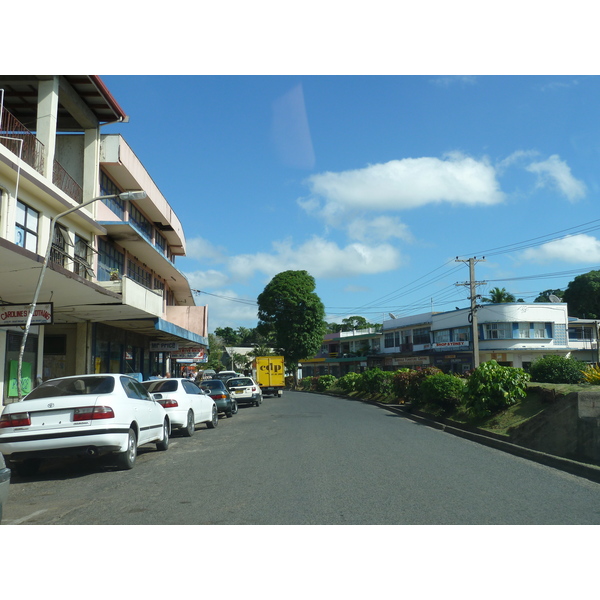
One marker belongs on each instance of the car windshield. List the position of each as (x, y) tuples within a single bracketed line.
[(213, 384), (161, 385), (239, 382), (75, 386)]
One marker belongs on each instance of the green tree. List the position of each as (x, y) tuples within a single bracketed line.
[(228, 335), (500, 296), (583, 296), (545, 295), (215, 352), (290, 309)]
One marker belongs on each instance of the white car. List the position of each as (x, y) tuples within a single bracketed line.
[(244, 390), (82, 415), (186, 404)]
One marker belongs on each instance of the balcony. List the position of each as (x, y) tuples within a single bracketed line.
[(22, 142)]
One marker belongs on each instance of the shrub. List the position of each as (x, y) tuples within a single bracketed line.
[(492, 388), (348, 382), (557, 369), (592, 375), (442, 390), (375, 381), (401, 384), (306, 383), (324, 382), (418, 376)]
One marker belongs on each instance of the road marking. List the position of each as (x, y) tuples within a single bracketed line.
[(23, 519)]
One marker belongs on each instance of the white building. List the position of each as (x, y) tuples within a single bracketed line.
[(114, 299), (513, 334)]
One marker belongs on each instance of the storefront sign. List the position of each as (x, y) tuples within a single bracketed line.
[(16, 314), (197, 354), (411, 360), (450, 345), (164, 346)]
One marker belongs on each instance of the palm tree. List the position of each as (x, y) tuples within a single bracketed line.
[(499, 296)]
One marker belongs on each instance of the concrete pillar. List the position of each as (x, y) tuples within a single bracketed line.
[(91, 165), (83, 348), (47, 115)]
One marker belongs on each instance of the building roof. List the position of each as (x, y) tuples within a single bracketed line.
[(79, 96)]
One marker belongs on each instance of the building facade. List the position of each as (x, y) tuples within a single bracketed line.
[(113, 298), (513, 334)]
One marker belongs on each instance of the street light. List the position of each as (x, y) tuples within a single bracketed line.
[(137, 195)]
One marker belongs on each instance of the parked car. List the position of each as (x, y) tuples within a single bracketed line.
[(82, 415), (4, 483), (245, 390), (216, 389), (186, 404), (225, 375)]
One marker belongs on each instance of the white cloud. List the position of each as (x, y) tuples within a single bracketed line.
[(572, 249), (207, 280), (200, 249), (321, 258), (409, 183), (380, 229), (554, 172)]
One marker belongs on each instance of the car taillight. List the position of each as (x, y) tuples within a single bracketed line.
[(218, 396), (168, 403), (15, 420), (91, 413)]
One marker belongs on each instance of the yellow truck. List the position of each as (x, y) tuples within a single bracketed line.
[(269, 373)]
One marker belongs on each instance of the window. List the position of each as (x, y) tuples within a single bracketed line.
[(139, 274), (160, 242), (26, 227), (524, 330), (497, 331), (461, 334), (140, 221), (421, 336), (388, 341), (442, 336), (539, 330), (108, 188), (580, 333), (109, 259), (82, 258), (60, 243)]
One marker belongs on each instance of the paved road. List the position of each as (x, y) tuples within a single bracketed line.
[(309, 459)]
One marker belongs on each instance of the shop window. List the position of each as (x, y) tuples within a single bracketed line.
[(26, 227)]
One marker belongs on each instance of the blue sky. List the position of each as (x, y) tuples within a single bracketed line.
[(372, 184)]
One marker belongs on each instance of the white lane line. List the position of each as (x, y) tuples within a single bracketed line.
[(23, 519)]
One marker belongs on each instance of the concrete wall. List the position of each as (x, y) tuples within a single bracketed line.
[(570, 427)]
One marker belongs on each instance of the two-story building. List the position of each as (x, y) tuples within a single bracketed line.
[(345, 351), (513, 334), (112, 299)]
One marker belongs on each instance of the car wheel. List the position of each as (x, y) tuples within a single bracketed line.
[(215, 419), (188, 430), (164, 443), (126, 460)]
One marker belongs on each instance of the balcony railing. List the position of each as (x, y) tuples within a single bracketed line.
[(33, 149), (12, 131)]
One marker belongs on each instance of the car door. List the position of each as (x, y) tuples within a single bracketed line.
[(147, 417), (201, 404)]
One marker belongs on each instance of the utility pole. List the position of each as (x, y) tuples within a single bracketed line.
[(473, 298)]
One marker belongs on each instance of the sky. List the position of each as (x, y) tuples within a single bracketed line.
[(374, 184)]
